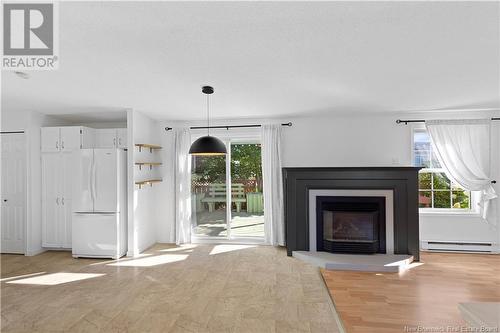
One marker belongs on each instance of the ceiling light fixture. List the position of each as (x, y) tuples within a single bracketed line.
[(208, 145)]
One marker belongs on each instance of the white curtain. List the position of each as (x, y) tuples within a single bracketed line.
[(463, 148), (182, 186), (274, 225)]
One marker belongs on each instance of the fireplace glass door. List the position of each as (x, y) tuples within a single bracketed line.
[(351, 224), (348, 226)]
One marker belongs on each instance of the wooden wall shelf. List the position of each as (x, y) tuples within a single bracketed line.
[(151, 164), (147, 145), (149, 182)]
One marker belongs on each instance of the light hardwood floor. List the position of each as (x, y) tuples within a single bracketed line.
[(207, 288), (426, 295)]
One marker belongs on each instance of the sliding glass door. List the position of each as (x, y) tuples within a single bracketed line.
[(247, 207), (208, 196), (227, 198)]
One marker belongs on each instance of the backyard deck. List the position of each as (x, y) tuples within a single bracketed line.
[(243, 224)]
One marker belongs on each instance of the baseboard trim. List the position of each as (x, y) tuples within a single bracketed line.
[(35, 252)]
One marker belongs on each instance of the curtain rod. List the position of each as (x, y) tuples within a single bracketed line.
[(227, 127), (400, 121)]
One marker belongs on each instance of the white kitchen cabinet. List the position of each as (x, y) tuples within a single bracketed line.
[(105, 138), (56, 200), (66, 138), (67, 175), (57, 181), (50, 138), (57, 143), (121, 138), (111, 138)]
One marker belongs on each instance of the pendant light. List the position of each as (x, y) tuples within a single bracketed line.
[(208, 145)]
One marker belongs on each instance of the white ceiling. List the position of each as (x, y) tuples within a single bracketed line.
[(267, 59)]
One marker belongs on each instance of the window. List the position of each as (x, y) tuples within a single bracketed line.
[(435, 189)]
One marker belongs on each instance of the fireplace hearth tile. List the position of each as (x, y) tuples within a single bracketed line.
[(386, 263)]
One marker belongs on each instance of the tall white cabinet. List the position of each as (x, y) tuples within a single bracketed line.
[(57, 143)]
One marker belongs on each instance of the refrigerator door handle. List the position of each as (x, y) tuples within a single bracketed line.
[(90, 183), (93, 182)]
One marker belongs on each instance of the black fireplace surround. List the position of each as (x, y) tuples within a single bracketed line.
[(402, 181), (350, 224)]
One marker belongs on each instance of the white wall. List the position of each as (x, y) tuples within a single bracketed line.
[(358, 140), (30, 122), (346, 141), (165, 210), (142, 204)]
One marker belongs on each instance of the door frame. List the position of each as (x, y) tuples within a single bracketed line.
[(250, 135), (26, 186)]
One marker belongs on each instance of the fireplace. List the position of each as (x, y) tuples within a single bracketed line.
[(399, 186), (350, 224)]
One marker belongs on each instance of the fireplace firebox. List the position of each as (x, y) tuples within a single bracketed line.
[(350, 224)]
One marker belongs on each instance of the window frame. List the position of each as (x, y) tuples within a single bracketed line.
[(473, 209), (235, 136)]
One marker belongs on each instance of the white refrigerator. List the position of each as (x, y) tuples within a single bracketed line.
[(99, 203)]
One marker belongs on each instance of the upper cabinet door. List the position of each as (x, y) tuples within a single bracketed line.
[(121, 137), (70, 138), (88, 138), (50, 139), (105, 138)]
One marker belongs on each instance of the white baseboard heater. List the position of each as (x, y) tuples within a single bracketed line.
[(458, 246)]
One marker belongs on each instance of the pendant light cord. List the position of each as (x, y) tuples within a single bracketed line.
[(208, 115)]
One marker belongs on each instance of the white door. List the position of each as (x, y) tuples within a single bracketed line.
[(105, 180), (13, 181), (83, 197), (70, 138), (51, 200), (106, 138), (50, 139), (121, 137), (67, 177)]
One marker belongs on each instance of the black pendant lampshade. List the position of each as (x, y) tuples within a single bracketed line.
[(208, 145)]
